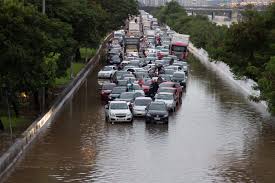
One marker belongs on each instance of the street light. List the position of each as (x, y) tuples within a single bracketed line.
[(43, 6), (8, 106)]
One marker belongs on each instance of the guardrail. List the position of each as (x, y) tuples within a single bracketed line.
[(9, 158)]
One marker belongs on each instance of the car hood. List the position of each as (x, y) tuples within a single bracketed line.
[(153, 112), (114, 94), (139, 108), (126, 100), (106, 91), (124, 111), (104, 72), (167, 102)]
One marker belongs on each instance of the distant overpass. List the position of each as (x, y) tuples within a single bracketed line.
[(232, 13)]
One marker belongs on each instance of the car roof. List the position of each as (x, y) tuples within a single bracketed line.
[(171, 88), (117, 102), (143, 98), (158, 102), (164, 93)]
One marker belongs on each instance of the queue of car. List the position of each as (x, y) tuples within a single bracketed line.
[(146, 82)]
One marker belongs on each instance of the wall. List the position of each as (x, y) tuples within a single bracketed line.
[(9, 158)]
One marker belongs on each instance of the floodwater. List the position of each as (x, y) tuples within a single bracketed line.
[(215, 136)]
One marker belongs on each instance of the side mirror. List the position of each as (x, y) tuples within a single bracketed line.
[(107, 106)]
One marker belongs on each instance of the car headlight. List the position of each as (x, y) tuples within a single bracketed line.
[(129, 115), (112, 115), (166, 115), (148, 114)]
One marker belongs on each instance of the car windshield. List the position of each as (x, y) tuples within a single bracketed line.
[(107, 87), (166, 85), (122, 82), (142, 102), (148, 83), (107, 69), (136, 87), (157, 107), (168, 90), (118, 90), (169, 71), (118, 106), (179, 75), (178, 48), (127, 95), (121, 73), (164, 97)]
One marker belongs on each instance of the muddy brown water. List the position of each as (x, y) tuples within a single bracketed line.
[(216, 135)]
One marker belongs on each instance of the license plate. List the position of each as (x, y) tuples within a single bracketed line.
[(156, 118)]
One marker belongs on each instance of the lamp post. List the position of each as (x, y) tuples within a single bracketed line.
[(43, 6), (8, 106)]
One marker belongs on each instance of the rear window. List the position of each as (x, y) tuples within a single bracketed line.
[(108, 87), (179, 75), (142, 102)]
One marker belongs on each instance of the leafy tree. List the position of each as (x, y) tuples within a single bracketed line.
[(27, 40)]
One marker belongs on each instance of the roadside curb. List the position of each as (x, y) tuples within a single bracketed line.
[(9, 158)]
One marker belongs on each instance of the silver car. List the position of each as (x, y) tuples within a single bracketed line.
[(139, 106), (168, 99)]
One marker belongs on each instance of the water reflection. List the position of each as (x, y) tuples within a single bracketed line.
[(215, 136)]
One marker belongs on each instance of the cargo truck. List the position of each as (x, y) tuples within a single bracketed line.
[(179, 45)]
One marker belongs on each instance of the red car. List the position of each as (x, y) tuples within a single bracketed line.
[(106, 90), (146, 86), (177, 86)]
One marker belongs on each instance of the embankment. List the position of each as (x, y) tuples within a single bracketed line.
[(8, 159)]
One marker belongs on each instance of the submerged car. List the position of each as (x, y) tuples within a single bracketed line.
[(107, 72), (140, 104), (116, 92), (168, 98), (157, 112), (118, 111), (179, 77), (106, 89)]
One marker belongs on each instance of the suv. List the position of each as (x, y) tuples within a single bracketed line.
[(118, 111), (157, 112)]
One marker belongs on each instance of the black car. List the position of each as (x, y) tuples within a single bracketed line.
[(157, 112), (116, 92)]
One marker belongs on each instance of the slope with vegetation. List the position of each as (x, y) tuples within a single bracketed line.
[(37, 49), (247, 47)]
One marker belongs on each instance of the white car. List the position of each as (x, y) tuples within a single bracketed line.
[(107, 72), (118, 111), (140, 104), (168, 99)]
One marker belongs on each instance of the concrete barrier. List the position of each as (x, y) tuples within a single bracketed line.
[(9, 158)]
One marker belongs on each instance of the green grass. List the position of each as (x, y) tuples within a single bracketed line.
[(87, 53), (15, 122), (66, 79)]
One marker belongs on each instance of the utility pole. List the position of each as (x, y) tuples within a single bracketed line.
[(43, 88), (9, 113), (43, 6), (71, 68)]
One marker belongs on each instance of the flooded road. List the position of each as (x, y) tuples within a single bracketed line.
[(215, 136)]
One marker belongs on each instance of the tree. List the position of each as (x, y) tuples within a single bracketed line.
[(27, 40)]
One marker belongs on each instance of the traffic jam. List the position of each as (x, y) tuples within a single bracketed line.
[(146, 71)]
